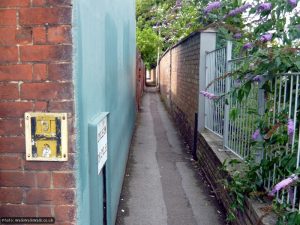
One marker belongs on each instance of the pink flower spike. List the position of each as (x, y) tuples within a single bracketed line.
[(284, 184), (212, 6), (237, 35), (257, 78), (266, 37), (293, 3), (267, 6), (209, 95), (256, 134), (204, 93), (247, 46), (239, 10), (291, 126)]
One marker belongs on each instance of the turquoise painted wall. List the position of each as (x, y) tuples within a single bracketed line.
[(104, 73)]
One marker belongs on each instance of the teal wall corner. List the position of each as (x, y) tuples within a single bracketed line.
[(104, 77)]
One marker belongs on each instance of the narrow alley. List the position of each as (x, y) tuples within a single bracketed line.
[(161, 187), (85, 140)]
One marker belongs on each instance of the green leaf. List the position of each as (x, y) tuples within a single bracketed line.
[(233, 113), (297, 220), (240, 95), (278, 61), (297, 63), (292, 218), (234, 161), (247, 88)]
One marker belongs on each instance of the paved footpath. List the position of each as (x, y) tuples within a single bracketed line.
[(161, 186)]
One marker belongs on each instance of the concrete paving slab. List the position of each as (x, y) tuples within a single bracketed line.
[(161, 187)]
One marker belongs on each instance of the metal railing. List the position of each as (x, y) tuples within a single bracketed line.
[(214, 110), (282, 98), (239, 130)]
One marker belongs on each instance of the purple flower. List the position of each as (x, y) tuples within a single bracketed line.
[(290, 127), (267, 6), (247, 46), (237, 83), (239, 10), (257, 78), (293, 3), (209, 95), (283, 184), (212, 6), (178, 4), (266, 37), (237, 35), (256, 134)]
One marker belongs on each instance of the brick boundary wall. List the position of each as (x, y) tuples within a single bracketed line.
[(164, 78), (179, 87), (179, 83), (35, 75), (140, 79)]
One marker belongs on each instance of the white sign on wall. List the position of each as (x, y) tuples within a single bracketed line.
[(102, 143)]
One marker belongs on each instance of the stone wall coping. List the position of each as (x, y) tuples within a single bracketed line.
[(179, 43)]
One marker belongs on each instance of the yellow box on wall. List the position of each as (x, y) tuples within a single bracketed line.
[(44, 148), (45, 125), (46, 136)]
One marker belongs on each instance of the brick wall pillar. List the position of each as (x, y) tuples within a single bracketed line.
[(207, 43), (35, 75)]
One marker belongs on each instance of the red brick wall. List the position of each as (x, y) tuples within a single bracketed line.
[(140, 79), (164, 77), (179, 78), (35, 75)]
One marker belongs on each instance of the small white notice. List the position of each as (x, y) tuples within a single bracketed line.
[(102, 143)]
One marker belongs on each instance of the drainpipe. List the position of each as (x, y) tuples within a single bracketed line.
[(195, 138)]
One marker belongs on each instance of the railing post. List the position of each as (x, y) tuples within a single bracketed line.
[(207, 43), (227, 89), (195, 138), (261, 111), (261, 98)]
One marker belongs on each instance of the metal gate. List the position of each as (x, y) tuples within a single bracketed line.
[(215, 110), (236, 134)]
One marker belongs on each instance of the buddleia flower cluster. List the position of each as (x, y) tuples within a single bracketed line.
[(209, 95), (212, 6), (239, 10)]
